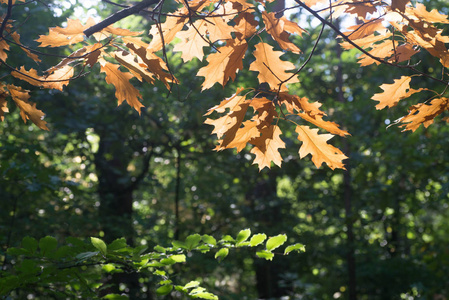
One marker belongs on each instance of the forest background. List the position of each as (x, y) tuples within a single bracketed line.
[(376, 230)]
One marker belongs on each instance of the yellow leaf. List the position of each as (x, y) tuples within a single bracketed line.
[(276, 28), (123, 89), (169, 29), (424, 113), (229, 123), (192, 41), (271, 68), (3, 103), (246, 25), (223, 64), (316, 145), (3, 47), (266, 147), (154, 64), (393, 93), (71, 34), (135, 65), (28, 111)]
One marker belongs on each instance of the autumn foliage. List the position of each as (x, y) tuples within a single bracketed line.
[(224, 34)]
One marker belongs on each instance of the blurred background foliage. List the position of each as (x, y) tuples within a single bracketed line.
[(375, 231)]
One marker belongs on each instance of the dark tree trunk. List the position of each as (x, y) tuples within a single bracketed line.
[(267, 213), (347, 194)]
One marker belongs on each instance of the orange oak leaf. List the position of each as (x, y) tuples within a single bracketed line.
[(94, 53), (266, 147), (316, 145), (223, 65), (424, 114), (360, 7), (246, 25), (3, 103), (266, 111), (229, 123), (399, 5), (381, 50), (228, 103), (365, 29), (168, 29), (124, 90), (192, 41), (58, 78), (135, 65), (30, 76), (3, 47), (366, 42), (271, 68), (71, 34), (300, 104), (28, 111), (16, 38), (241, 138), (317, 120), (432, 17), (404, 52), (68, 60), (218, 29), (154, 64), (393, 93), (276, 28)]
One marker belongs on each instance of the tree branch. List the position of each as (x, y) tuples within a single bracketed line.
[(118, 16), (346, 38)]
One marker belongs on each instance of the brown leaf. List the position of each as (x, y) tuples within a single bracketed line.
[(399, 5), (246, 25), (223, 65), (69, 35), (123, 89), (271, 68), (3, 103), (154, 64), (275, 27), (266, 147), (393, 93), (300, 104), (192, 41), (424, 114), (316, 145), (28, 111)]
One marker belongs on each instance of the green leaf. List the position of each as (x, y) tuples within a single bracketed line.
[(265, 254), (257, 239), (228, 238), (207, 239), (86, 255), (115, 297), (192, 241), (276, 241), (221, 254), (29, 244), (192, 284), (159, 249), (178, 258), (178, 245), (242, 236), (117, 244), (296, 247), (205, 295), (164, 290), (47, 244), (99, 245)]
